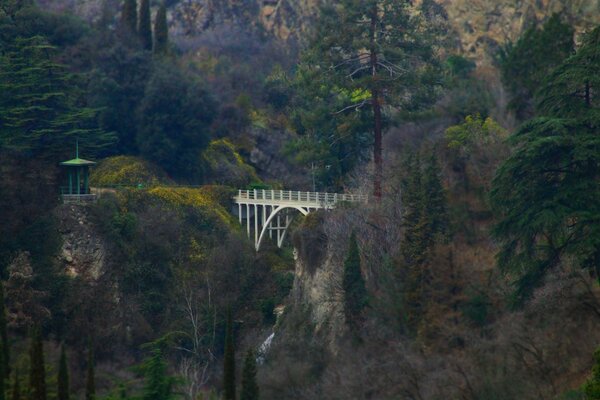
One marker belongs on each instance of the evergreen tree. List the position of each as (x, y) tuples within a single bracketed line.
[(416, 239), (229, 361), (2, 377), (145, 25), (249, 386), (546, 194), (63, 376), (161, 31), (37, 369), (355, 292), (90, 381), (41, 110), (436, 203), (591, 388), (158, 384), (129, 16), (16, 388), (526, 64), (4, 335), (376, 53)]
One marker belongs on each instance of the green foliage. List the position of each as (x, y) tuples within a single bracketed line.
[(158, 385), (355, 291), (174, 120), (90, 379), (250, 389), (42, 109), (474, 129), (37, 369), (592, 387), (336, 126), (545, 194), (63, 376), (224, 165), (161, 31), (129, 16), (526, 64), (229, 361), (145, 25), (127, 171)]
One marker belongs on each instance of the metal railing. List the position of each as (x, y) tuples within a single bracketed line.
[(300, 197)]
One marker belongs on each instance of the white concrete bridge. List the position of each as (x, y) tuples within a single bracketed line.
[(272, 211)]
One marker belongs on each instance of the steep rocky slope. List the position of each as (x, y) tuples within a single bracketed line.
[(481, 25)]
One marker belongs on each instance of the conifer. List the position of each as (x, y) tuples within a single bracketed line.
[(161, 30), (37, 371), (129, 16), (249, 385), (229, 361), (90, 383), (355, 292), (63, 376), (145, 25), (4, 335), (16, 388), (436, 204), (2, 379)]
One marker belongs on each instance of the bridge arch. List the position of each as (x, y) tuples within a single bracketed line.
[(275, 213)]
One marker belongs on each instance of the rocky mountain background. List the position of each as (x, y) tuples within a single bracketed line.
[(481, 26)]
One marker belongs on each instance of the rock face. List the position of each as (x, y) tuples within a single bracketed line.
[(480, 25), (483, 25), (84, 251)]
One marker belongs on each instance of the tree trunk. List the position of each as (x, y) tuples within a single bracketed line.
[(375, 102)]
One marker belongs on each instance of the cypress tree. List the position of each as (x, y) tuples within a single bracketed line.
[(63, 376), (4, 335), (90, 384), (16, 389), (2, 379), (436, 205), (249, 385), (37, 371), (145, 25), (414, 243), (355, 298), (158, 384), (161, 31), (129, 16), (229, 361)]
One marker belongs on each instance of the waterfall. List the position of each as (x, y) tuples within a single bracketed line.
[(264, 348)]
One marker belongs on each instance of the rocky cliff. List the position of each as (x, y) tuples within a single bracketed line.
[(480, 25)]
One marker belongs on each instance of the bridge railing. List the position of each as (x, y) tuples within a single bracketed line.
[(301, 197)]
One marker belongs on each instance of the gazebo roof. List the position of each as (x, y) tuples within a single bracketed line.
[(77, 162)]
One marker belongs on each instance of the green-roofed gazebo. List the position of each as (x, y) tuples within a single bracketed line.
[(78, 173)]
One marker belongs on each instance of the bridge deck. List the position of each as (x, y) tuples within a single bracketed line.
[(297, 198)]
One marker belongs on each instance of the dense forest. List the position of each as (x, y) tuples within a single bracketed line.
[(470, 273)]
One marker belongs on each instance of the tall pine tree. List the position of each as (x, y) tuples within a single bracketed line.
[(229, 361), (436, 203), (161, 30), (145, 25), (37, 368), (63, 376), (355, 292), (379, 53), (249, 386), (129, 16)]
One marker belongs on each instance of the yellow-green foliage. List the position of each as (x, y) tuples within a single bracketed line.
[(225, 165), (201, 199), (127, 171), (474, 128)]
